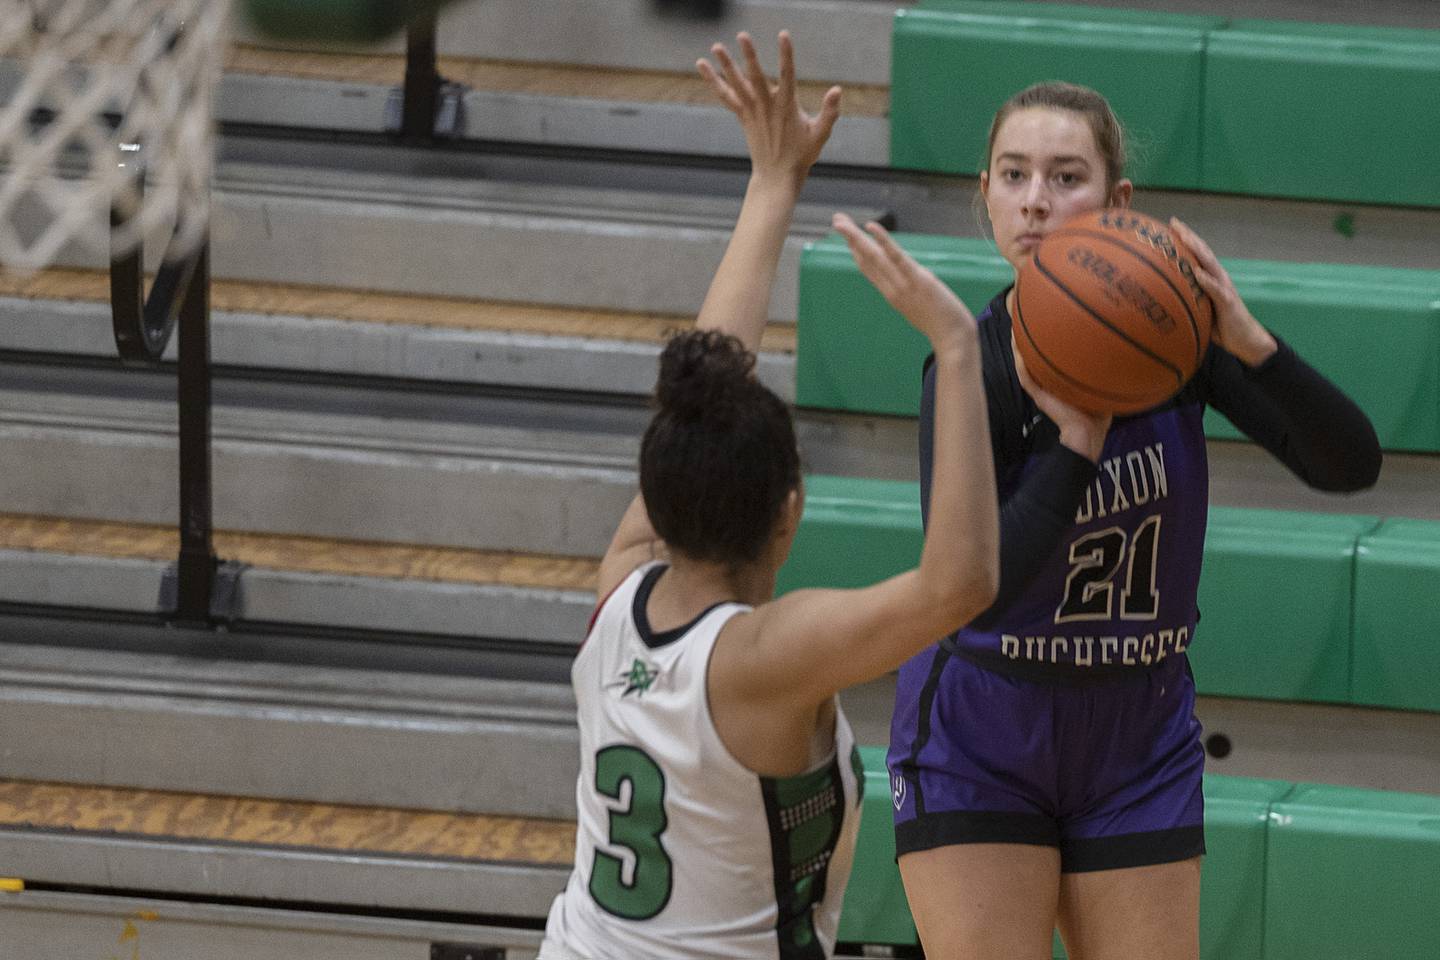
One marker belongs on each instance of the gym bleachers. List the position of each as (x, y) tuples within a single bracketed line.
[(956, 62), (1259, 107), (1291, 872), (427, 498)]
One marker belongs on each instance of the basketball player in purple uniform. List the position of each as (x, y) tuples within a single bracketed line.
[(1045, 760)]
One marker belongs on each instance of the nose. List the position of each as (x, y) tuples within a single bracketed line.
[(1036, 201)]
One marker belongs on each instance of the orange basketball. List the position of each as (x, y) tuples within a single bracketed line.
[(1108, 314)]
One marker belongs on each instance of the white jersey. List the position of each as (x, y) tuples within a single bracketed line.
[(681, 851)]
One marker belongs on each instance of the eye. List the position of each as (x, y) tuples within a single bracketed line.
[(1012, 174), (1068, 178)]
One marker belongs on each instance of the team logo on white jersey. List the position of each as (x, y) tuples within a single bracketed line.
[(637, 680)]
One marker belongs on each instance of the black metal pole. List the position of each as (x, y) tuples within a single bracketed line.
[(422, 79), (196, 568)]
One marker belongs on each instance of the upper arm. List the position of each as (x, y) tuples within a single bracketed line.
[(635, 542)]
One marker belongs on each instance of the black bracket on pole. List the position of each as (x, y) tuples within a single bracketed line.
[(143, 326), (180, 295), (428, 106)]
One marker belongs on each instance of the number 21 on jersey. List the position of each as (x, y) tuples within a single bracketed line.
[(1095, 562)]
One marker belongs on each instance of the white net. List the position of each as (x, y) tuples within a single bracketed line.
[(92, 93)]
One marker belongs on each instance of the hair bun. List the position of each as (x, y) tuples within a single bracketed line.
[(703, 374)]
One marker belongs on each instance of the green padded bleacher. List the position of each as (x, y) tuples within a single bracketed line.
[(875, 910), (1353, 874), (1291, 643), (955, 62), (855, 352), (855, 531), (1292, 872), (1375, 331), (1232, 878), (1397, 617), (1323, 112), (1265, 107), (1232, 875)]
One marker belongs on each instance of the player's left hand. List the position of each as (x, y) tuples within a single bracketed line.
[(1236, 330), (784, 140), (920, 296)]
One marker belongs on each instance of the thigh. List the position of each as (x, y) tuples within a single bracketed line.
[(1138, 913), (983, 901)]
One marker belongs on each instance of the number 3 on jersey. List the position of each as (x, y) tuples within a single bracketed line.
[(1095, 559), (637, 828)]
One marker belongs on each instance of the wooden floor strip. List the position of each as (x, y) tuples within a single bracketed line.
[(343, 829), (390, 308), (302, 554), (554, 80)]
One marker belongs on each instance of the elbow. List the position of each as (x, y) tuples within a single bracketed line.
[(957, 600), (1361, 471), (987, 587)]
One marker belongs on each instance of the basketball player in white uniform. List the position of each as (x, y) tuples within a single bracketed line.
[(719, 787)]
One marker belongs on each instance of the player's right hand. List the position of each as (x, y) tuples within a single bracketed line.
[(1080, 430)]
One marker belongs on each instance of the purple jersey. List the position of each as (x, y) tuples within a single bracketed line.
[(1100, 563), (1120, 589)]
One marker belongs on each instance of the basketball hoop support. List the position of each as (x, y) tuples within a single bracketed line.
[(197, 563), (179, 296)]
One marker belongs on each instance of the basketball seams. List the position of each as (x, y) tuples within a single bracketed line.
[(1139, 347), (1128, 402), (1140, 256)]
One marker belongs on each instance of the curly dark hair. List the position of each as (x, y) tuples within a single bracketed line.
[(719, 456)]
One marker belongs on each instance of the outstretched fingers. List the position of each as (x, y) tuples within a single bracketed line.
[(829, 112), (872, 259), (788, 83), (741, 87), (753, 71), (722, 89), (897, 256)]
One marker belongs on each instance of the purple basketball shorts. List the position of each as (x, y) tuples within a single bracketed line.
[(1109, 771)]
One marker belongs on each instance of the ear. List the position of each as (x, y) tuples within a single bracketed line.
[(794, 509), (985, 185), (1120, 196)]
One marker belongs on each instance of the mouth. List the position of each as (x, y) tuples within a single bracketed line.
[(1029, 241)]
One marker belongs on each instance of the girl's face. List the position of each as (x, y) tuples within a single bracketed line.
[(1044, 169)]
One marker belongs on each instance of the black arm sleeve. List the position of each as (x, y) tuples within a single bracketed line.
[(1042, 508), (1303, 419)]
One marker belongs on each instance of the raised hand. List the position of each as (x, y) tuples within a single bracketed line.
[(1236, 330), (919, 295), (784, 140)]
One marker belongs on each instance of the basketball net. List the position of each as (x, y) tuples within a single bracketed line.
[(106, 129)]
